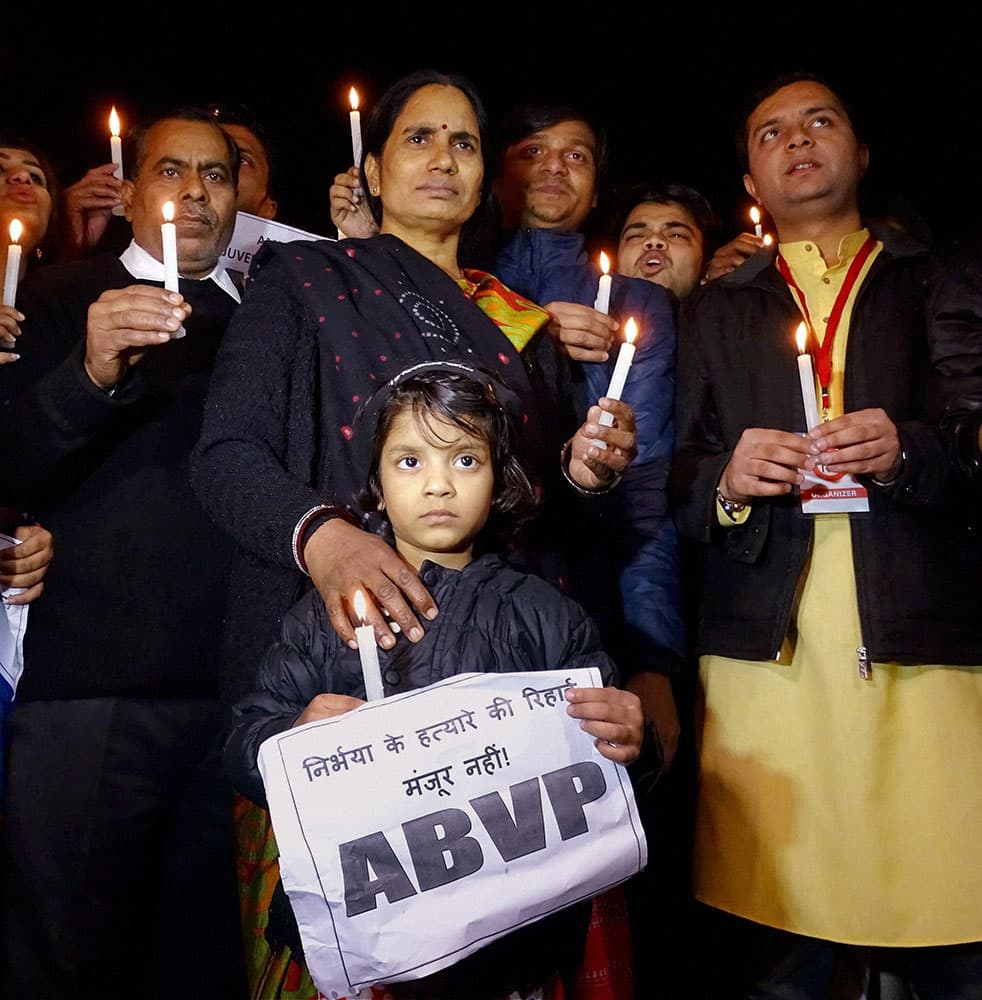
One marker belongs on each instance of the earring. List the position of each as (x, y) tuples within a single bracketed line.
[(375, 191)]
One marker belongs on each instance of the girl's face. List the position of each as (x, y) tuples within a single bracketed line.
[(430, 172), (24, 195), (437, 487)]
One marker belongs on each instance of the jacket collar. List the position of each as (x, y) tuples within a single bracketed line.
[(759, 269), (533, 251)]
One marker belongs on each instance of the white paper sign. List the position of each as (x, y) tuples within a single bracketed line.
[(250, 233), (419, 828)]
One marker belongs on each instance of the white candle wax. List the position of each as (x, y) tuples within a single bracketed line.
[(12, 274), (168, 236), (368, 654), (355, 117), (806, 376), (116, 152), (624, 358), (602, 303), (755, 219)]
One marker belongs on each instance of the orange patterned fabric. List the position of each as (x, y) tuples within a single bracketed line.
[(517, 318)]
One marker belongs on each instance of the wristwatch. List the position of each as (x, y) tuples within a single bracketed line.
[(730, 507)]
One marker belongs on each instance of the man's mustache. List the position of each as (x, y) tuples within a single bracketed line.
[(199, 213)]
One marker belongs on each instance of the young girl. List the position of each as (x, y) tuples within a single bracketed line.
[(441, 473)]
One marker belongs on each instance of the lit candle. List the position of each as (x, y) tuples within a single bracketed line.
[(13, 263), (116, 151), (168, 237), (355, 117), (624, 358), (368, 652), (755, 219), (602, 303), (806, 376)]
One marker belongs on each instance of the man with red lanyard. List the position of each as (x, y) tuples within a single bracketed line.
[(840, 562)]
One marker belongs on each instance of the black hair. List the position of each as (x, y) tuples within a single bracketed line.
[(13, 140), (187, 113), (227, 113), (475, 402), (382, 119), (746, 109), (534, 115), (673, 193)]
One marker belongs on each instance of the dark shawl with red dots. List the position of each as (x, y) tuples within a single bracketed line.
[(321, 323)]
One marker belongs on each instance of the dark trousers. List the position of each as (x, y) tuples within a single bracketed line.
[(117, 872)]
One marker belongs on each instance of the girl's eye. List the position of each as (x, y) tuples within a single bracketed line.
[(407, 462), (39, 179), (467, 461), (769, 134), (820, 122)]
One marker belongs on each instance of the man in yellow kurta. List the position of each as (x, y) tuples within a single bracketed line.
[(839, 821)]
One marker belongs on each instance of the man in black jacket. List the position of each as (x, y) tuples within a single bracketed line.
[(840, 566), (118, 858)]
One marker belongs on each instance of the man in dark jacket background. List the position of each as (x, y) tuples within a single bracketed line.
[(118, 858)]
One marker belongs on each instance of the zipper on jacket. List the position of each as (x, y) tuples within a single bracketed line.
[(865, 667)]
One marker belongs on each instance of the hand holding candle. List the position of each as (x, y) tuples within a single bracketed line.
[(368, 652), (116, 151), (806, 376), (602, 303), (12, 273)]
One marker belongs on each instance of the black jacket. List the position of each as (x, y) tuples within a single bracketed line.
[(135, 595), (492, 619), (917, 554)]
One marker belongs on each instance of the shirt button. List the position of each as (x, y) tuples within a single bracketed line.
[(825, 319), (827, 281), (808, 247)]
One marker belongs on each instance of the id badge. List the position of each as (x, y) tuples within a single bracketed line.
[(825, 492)]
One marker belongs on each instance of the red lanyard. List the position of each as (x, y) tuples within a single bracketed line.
[(823, 352)]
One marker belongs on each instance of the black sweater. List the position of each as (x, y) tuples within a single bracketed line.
[(134, 597)]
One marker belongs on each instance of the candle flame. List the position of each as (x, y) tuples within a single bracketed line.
[(755, 215), (114, 122), (360, 607), (768, 239), (801, 336), (630, 330), (353, 98), (168, 211), (604, 262), (16, 228)]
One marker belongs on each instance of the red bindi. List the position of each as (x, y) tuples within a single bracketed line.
[(444, 125)]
